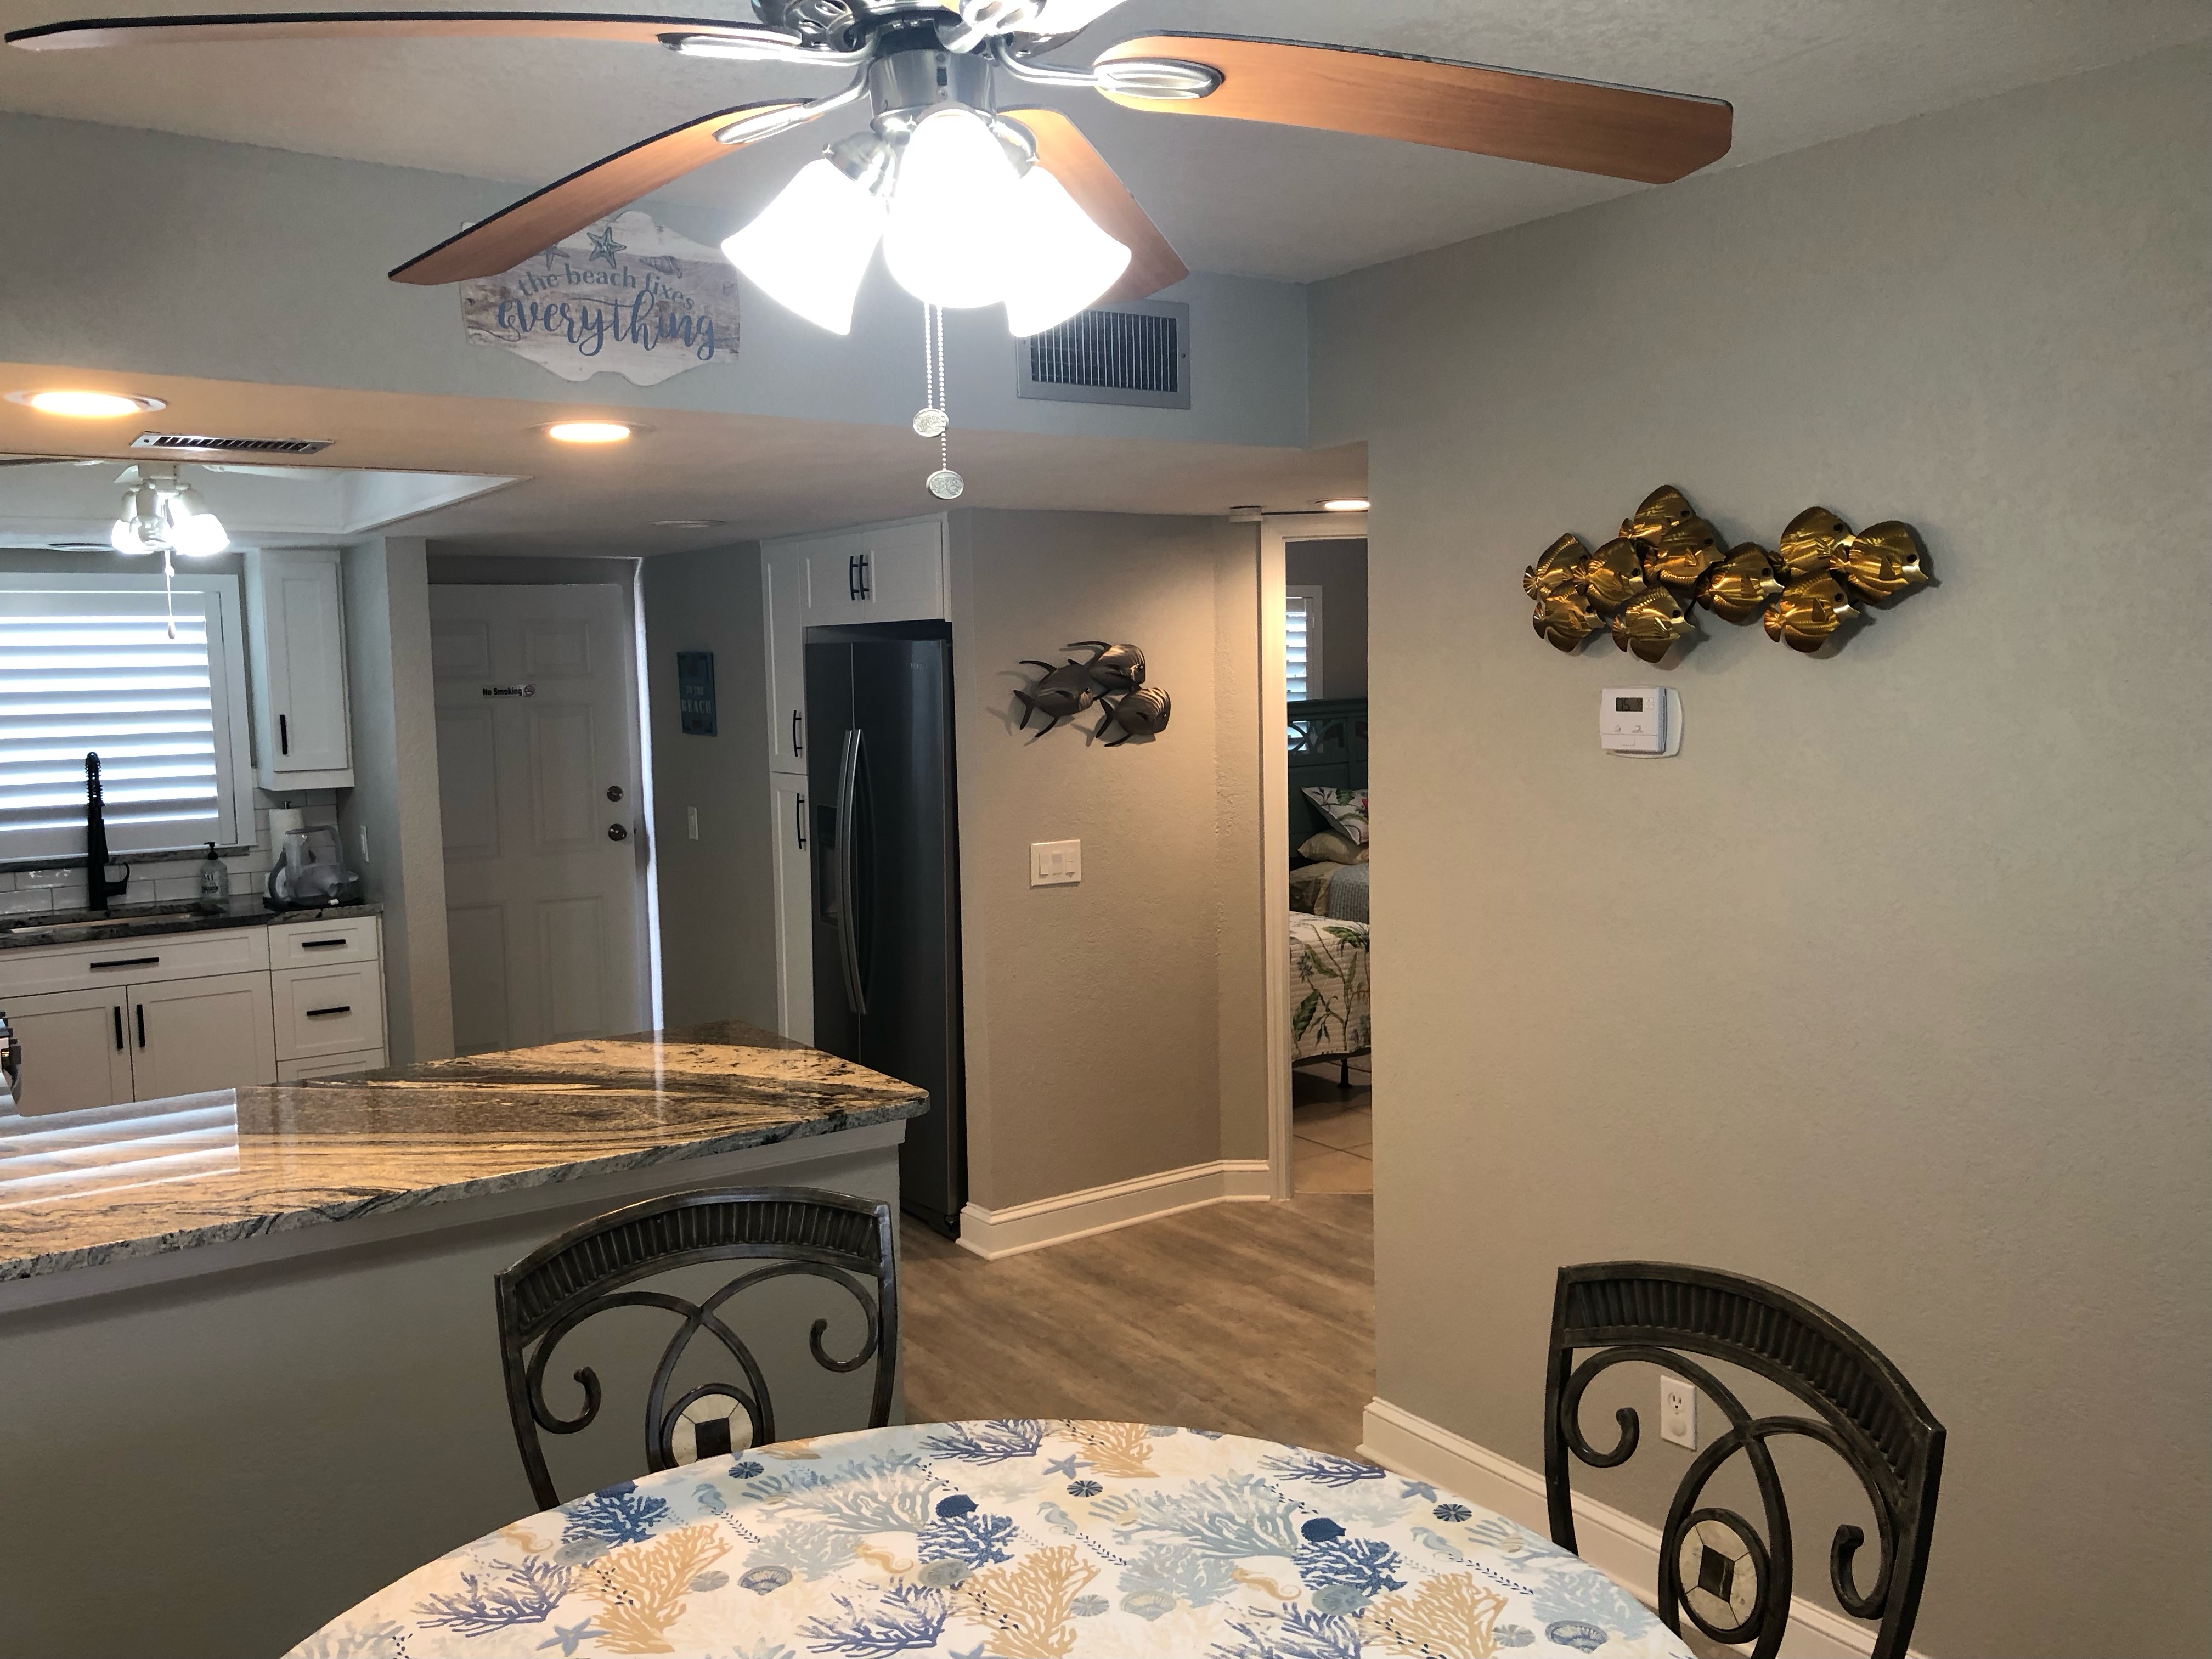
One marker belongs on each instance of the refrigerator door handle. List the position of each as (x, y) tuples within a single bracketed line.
[(848, 955)]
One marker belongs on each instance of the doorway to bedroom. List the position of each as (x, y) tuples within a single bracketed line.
[(1328, 1095)]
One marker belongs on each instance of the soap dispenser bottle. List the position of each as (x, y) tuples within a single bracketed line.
[(215, 880)]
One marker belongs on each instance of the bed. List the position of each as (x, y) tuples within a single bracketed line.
[(1329, 990)]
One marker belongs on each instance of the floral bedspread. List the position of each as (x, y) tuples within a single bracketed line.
[(1330, 996), (1020, 1539)]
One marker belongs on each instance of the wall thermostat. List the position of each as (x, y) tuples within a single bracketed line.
[(1639, 720)]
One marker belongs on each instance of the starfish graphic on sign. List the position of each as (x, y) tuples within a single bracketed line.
[(603, 246)]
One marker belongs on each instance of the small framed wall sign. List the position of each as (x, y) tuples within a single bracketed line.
[(695, 692)]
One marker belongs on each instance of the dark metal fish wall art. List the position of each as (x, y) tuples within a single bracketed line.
[(1643, 584), (1111, 678)]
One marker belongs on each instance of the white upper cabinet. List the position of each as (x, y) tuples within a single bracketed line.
[(295, 632), (877, 574)]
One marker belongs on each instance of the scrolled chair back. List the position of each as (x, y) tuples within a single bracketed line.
[(592, 1268), (1732, 1578)]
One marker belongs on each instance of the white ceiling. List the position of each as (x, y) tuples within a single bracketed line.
[(1233, 197)]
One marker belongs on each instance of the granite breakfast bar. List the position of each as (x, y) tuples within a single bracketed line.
[(247, 1337)]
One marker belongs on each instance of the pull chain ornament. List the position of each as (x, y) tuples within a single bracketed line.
[(932, 421)]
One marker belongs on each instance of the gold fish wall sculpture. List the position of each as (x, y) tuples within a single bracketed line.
[(1643, 583)]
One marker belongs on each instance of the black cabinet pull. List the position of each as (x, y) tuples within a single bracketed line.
[(129, 962), (142, 1025), (617, 832), (802, 824), (118, 1011), (343, 1008), (319, 943), (283, 736), (797, 731)]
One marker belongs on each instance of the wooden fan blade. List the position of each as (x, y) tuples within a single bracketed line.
[(1622, 132), (584, 197), (1064, 153), (374, 26)]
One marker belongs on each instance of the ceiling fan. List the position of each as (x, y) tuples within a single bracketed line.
[(975, 197)]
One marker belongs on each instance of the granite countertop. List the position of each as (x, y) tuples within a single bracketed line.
[(115, 1182), (178, 916)]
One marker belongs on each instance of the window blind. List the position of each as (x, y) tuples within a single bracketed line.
[(94, 670), (1301, 648)]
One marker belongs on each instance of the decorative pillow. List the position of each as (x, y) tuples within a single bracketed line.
[(1329, 847), (1346, 810)]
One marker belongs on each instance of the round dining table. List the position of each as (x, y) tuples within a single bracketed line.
[(1017, 1538)]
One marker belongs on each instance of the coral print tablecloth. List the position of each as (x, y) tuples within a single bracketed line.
[(1018, 1539)]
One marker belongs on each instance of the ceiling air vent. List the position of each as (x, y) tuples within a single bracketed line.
[(200, 443), (1132, 354)]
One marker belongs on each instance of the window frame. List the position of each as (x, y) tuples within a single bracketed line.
[(1310, 597), (223, 606)]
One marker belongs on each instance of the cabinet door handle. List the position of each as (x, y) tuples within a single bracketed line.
[(118, 1011), (319, 943), (798, 731), (141, 1025), (802, 824), (617, 832), (129, 962), (343, 1008), (283, 735)]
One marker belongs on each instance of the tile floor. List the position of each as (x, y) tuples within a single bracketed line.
[(1333, 1147)]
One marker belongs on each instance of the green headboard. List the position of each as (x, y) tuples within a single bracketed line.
[(1328, 740)]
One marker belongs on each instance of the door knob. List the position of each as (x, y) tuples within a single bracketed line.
[(617, 832)]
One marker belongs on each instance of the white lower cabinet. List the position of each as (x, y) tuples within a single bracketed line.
[(190, 1035), (76, 1049), (177, 1025)]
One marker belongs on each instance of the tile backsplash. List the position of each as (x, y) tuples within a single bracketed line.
[(60, 886)]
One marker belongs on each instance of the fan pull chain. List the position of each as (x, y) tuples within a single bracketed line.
[(933, 422), (168, 588)]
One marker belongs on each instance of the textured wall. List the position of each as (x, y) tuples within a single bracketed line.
[(1892, 987), (1107, 1021), (718, 893)]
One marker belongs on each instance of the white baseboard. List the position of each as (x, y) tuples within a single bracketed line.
[(1609, 1538), (994, 1233)]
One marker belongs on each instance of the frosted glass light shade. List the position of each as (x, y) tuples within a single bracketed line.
[(945, 239), (193, 531), (809, 248), (1057, 260)]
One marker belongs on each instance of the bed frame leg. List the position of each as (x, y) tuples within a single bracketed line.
[(1344, 1071)]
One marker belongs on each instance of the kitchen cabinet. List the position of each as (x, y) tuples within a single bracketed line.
[(876, 574), (295, 641), (162, 1014), (795, 892), (190, 1035), (77, 1052)]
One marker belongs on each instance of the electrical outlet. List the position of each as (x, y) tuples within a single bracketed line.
[(1678, 1412), (692, 814), (1055, 863)]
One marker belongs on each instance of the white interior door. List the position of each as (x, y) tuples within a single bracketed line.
[(537, 775)]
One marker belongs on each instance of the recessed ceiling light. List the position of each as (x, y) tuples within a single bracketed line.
[(689, 524), (86, 405), (591, 432), (1348, 504)]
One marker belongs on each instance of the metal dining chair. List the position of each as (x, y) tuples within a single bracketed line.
[(1733, 1578), (592, 1268)]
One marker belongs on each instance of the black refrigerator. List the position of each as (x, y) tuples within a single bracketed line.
[(886, 903)]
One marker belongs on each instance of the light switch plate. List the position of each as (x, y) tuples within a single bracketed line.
[(1055, 863), (1678, 1412)]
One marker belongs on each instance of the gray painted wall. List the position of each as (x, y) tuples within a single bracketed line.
[(394, 798), (1338, 569), (718, 893), (1892, 987), (1114, 1028), (272, 269)]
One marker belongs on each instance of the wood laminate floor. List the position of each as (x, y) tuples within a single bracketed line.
[(1253, 1319)]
